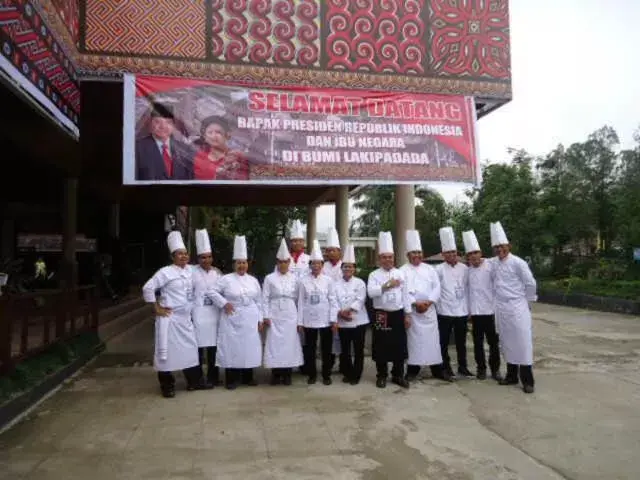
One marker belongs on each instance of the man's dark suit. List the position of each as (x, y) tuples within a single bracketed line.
[(150, 164)]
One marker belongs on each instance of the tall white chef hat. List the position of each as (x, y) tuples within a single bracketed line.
[(498, 237), (385, 243), (203, 245), (333, 241), (470, 241), (316, 253), (448, 239), (175, 242), (296, 230), (283, 251), (240, 248), (349, 255), (412, 238)]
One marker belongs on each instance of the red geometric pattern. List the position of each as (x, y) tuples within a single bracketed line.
[(27, 42), (168, 28), (381, 36), (266, 32), (470, 38), (69, 12)]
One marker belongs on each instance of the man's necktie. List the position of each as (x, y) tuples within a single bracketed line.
[(168, 162)]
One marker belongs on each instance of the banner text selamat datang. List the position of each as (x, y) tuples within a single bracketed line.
[(344, 141)]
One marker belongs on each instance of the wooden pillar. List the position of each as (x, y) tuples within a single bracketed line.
[(69, 267), (342, 214), (405, 219), (311, 226)]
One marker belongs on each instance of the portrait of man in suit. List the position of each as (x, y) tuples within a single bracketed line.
[(159, 155)]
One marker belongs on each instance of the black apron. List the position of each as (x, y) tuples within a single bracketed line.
[(389, 336)]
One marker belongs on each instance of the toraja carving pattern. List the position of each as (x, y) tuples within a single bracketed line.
[(381, 36), (441, 46), (280, 32), (69, 12), (170, 28), (470, 38), (27, 42)]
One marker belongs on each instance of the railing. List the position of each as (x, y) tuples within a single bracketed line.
[(32, 322)]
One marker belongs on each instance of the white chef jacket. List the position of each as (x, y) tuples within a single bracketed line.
[(454, 296), (239, 341), (514, 287), (391, 300), (282, 344), (481, 291), (299, 268), (176, 347), (317, 307), (352, 295), (333, 271), (423, 336), (205, 314)]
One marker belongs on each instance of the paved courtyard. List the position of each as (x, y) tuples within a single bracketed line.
[(583, 422)]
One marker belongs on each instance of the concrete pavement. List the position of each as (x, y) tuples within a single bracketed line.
[(583, 422)]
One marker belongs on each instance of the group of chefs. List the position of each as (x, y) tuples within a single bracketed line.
[(206, 321)]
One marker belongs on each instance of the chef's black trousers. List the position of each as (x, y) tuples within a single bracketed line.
[(167, 380), (485, 326), (208, 358), (459, 326), (525, 372), (352, 337), (326, 344)]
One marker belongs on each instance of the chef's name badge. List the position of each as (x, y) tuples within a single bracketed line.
[(459, 292), (190, 295), (314, 299), (390, 297), (208, 301), (246, 301)]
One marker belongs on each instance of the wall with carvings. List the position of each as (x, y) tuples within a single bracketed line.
[(34, 43), (440, 46), (446, 46)]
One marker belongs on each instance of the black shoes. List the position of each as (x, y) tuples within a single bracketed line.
[(508, 381), (381, 382), (401, 382), (465, 372), (528, 389), (168, 392), (327, 381)]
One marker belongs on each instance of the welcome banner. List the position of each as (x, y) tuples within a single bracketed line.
[(196, 131)]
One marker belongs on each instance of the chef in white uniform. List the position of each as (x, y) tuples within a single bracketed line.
[(176, 347), (282, 351), (423, 287), (205, 314), (351, 294), (239, 342), (388, 289), (482, 308), (317, 315), (453, 305), (333, 269), (514, 287), (299, 263)]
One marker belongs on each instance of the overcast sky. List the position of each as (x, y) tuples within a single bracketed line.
[(575, 67)]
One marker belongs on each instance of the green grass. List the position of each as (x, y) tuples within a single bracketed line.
[(627, 290), (35, 369)]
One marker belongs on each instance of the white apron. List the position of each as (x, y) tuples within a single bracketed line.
[(205, 321), (423, 337), (175, 342), (239, 342), (282, 348), (335, 272), (513, 322)]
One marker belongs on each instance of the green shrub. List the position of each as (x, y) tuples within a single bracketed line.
[(624, 289)]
